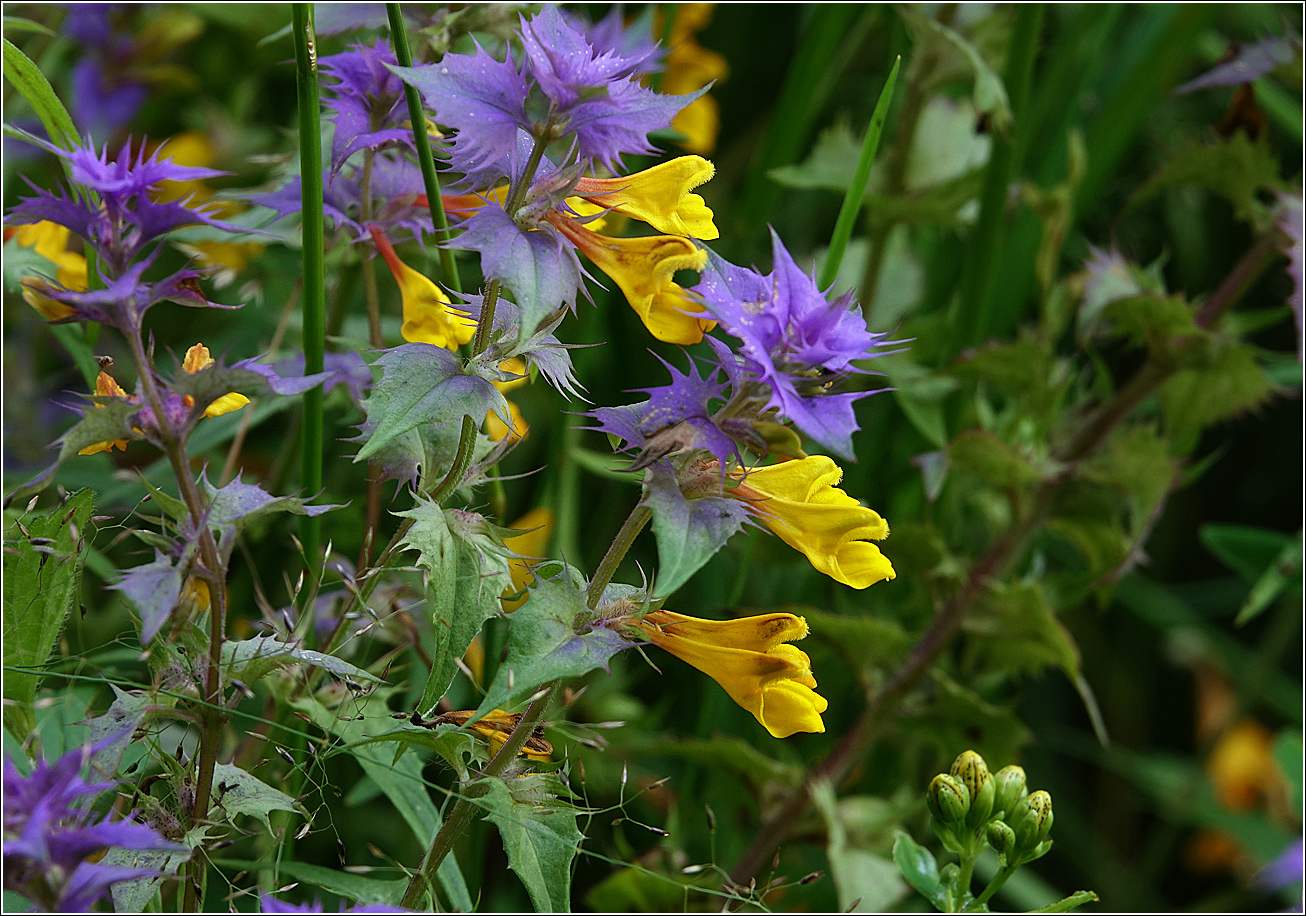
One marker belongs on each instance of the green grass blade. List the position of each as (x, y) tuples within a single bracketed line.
[(852, 201), (32, 85), (314, 298)]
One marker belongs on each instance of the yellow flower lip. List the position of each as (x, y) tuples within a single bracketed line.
[(197, 359), (660, 196), (643, 268), (428, 314), (751, 659), (496, 726), (800, 502)]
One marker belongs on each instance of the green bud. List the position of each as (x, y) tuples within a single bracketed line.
[(1009, 788), (948, 799), (971, 769), (1031, 820), (1000, 837)]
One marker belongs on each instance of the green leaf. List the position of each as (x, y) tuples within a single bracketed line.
[(358, 888), (1152, 320), (540, 842), (237, 792), (921, 395), (135, 896), (1233, 382), (689, 531), (931, 38), (420, 385), (1282, 574), (990, 458), (1237, 168), (37, 91), (1136, 462), (106, 421), (919, 868), (1246, 550), (467, 570), (733, 755), (41, 570), (865, 882), (552, 635), (1014, 628), (353, 720), (251, 659)]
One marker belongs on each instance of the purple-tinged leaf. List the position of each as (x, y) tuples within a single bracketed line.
[(154, 589), (689, 531), (1248, 64)]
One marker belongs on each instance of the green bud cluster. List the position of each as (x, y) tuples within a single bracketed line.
[(971, 807)]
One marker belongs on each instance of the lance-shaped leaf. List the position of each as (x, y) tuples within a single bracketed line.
[(466, 572), (250, 659), (239, 503), (237, 792), (552, 635), (424, 384), (689, 531), (154, 589), (40, 580), (540, 840)]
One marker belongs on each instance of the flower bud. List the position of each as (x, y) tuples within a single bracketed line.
[(948, 799), (1002, 838), (1008, 788), (971, 769), (1031, 820)]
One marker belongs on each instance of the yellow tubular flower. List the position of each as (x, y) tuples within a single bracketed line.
[(643, 268), (800, 502), (428, 317), (495, 726), (107, 387), (50, 241), (690, 66), (536, 527), (197, 358), (749, 658), (659, 196)]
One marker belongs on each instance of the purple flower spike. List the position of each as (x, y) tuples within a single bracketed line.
[(368, 101), (50, 835), (794, 340), (127, 219)]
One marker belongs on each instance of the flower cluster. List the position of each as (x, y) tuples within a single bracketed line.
[(53, 840)]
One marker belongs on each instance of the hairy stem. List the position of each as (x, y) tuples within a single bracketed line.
[(630, 529)]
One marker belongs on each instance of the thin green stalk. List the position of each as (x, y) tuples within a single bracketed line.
[(856, 194), (963, 879), (422, 144), (630, 529), (314, 301), (979, 274), (456, 823), (998, 880)]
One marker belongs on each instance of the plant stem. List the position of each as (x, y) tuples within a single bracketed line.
[(630, 529), (462, 812), (1065, 904), (422, 144), (314, 301), (211, 712), (998, 880), (963, 880)]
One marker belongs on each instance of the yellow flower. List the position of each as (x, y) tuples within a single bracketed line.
[(643, 268), (800, 502), (106, 387), (495, 726), (50, 241), (749, 658), (228, 259), (427, 315), (659, 196), (536, 527), (197, 358), (690, 67)]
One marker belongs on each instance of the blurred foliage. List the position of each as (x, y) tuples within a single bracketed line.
[(1137, 646)]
